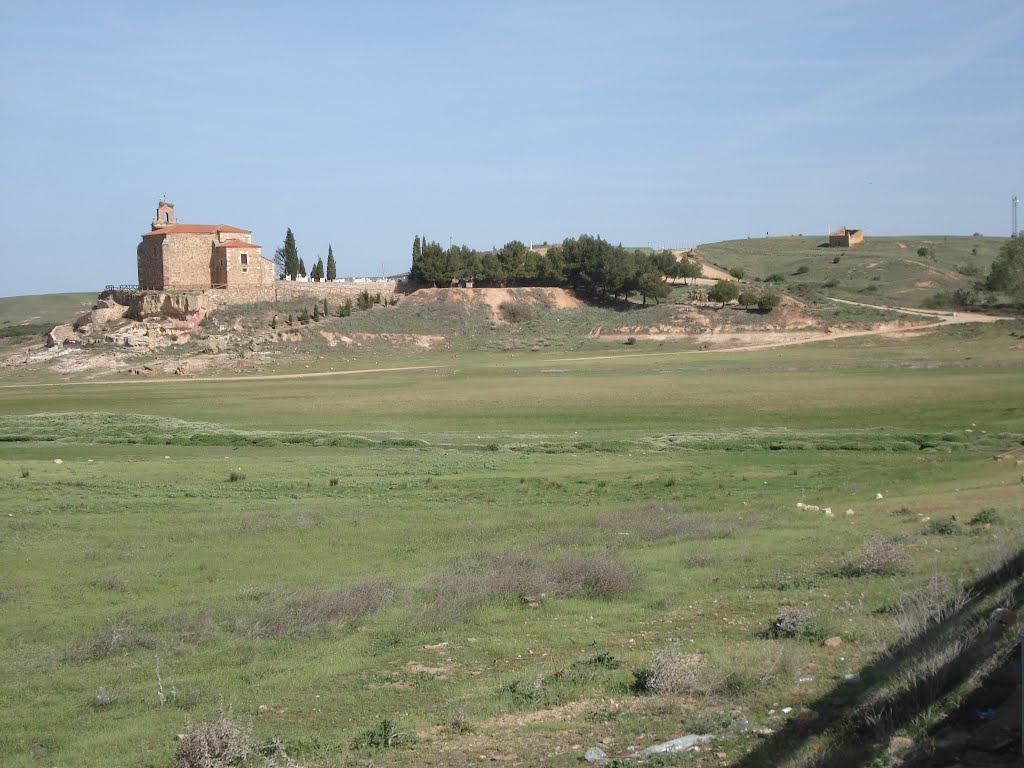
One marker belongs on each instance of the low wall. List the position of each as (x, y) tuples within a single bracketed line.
[(286, 290)]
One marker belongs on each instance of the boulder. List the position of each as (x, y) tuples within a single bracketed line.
[(832, 642), (59, 335)]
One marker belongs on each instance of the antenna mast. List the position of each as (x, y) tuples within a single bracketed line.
[(1013, 206)]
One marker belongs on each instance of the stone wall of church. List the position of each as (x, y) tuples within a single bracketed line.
[(188, 259), (151, 263)]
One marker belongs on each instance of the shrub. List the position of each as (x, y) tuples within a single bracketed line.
[(766, 302), (882, 557), (515, 311), (333, 482), (969, 270), (631, 341), (25, 473), (748, 299), (345, 309), (775, 277), (791, 622), (830, 283), (738, 272), (383, 735), (235, 476), (987, 516), (599, 576), (668, 672), (922, 251), (803, 269), (223, 742), (835, 259), (942, 528)]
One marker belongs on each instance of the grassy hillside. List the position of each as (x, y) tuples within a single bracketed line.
[(26, 319), (881, 270), (49, 308)]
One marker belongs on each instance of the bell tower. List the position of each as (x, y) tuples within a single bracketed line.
[(164, 214)]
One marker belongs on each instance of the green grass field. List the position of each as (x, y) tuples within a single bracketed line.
[(486, 552)]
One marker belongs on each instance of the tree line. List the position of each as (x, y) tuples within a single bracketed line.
[(586, 263), (288, 265)]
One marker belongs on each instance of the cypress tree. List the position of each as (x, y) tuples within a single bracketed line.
[(332, 267), (291, 255), (302, 268)]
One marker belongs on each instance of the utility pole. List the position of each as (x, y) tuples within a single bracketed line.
[(1013, 206)]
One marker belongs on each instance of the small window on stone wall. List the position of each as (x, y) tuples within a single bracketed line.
[(245, 262)]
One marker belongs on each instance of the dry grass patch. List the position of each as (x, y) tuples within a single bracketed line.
[(304, 611), (654, 520), (524, 577)]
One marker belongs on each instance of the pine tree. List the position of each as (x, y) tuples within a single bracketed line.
[(332, 267), (291, 255), (302, 268)]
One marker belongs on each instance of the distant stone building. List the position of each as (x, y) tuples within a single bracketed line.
[(175, 256), (845, 238)]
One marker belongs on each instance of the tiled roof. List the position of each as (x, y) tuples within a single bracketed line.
[(237, 244), (194, 229)]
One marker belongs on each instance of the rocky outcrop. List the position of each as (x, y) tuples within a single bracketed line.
[(189, 308), (105, 311)]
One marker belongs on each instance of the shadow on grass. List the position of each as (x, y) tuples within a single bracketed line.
[(902, 683)]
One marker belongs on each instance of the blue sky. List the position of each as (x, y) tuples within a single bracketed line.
[(364, 124)]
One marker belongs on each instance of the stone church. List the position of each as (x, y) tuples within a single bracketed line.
[(175, 256)]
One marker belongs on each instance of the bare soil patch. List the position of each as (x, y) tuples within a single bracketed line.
[(493, 298)]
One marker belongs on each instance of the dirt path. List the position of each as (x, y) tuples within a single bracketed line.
[(943, 318), (257, 377)]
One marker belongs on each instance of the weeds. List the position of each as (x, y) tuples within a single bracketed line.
[(460, 724), (333, 482), (25, 473), (383, 735), (236, 476), (119, 636), (102, 699)]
